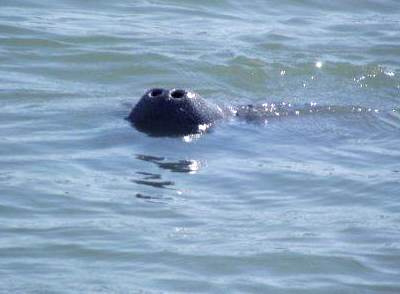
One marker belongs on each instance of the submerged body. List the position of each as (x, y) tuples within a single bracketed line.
[(178, 112)]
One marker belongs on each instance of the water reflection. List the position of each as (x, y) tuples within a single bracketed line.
[(152, 198), (153, 180), (190, 166)]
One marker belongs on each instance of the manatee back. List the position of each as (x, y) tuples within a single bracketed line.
[(266, 111)]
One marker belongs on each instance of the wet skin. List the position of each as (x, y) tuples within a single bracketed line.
[(173, 113)]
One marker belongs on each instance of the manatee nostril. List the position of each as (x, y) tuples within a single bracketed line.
[(177, 93), (156, 92)]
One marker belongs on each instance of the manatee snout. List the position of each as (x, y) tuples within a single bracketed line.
[(175, 112)]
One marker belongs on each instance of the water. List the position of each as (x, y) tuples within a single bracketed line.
[(304, 204)]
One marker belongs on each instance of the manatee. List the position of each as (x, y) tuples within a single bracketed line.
[(179, 112), (173, 113)]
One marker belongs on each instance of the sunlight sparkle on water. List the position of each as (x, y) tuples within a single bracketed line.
[(389, 73)]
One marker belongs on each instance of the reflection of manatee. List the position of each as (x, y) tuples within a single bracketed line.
[(179, 112), (176, 112)]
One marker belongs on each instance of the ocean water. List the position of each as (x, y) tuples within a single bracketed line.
[(304, 204)]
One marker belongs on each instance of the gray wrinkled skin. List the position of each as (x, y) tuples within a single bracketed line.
[(173, 113)]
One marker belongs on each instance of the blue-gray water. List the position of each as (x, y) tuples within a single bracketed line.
[(307, 204)]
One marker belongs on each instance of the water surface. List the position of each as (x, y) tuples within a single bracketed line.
[(295, 204)]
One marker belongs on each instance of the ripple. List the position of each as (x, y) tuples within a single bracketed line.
[(190, 166), (303, 203)]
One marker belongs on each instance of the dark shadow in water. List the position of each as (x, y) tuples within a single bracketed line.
[(152, 198), (190, 166), (155, 184), (153, 180)]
